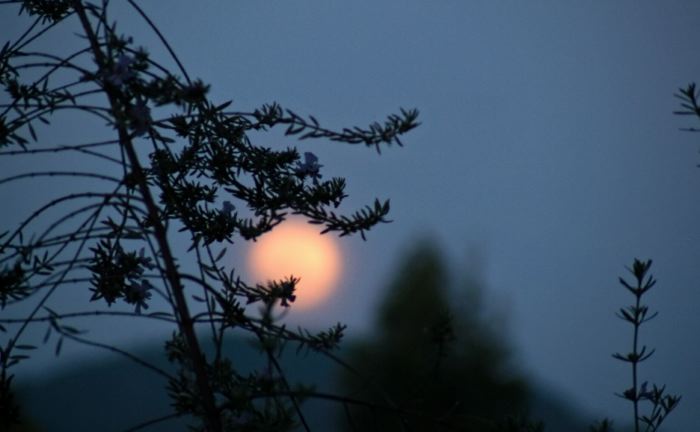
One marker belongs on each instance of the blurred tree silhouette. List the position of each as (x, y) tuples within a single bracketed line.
[(433, 356)]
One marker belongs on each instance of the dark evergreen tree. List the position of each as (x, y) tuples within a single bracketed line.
[(432, 358)]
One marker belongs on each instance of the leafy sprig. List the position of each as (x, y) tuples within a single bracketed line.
[(661, 403)]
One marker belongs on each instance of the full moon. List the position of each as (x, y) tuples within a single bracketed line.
[(297, 248)]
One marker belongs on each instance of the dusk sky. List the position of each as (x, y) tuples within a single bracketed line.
[(547, 159)]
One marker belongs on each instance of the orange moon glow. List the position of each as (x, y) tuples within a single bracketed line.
[(297, 248)]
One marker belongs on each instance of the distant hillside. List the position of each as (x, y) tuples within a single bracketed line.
[(116, 394)]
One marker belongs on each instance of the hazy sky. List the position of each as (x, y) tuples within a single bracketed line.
[(548, 156)]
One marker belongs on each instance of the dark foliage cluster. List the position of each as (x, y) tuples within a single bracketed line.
[(183, 166)]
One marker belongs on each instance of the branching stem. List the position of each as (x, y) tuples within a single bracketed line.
[(185, 323)]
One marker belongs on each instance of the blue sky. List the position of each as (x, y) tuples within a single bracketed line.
[(547, 159)]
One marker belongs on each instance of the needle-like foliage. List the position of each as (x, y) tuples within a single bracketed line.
[(179, 165)]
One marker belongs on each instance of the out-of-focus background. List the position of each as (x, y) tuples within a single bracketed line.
[(547, 159)]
